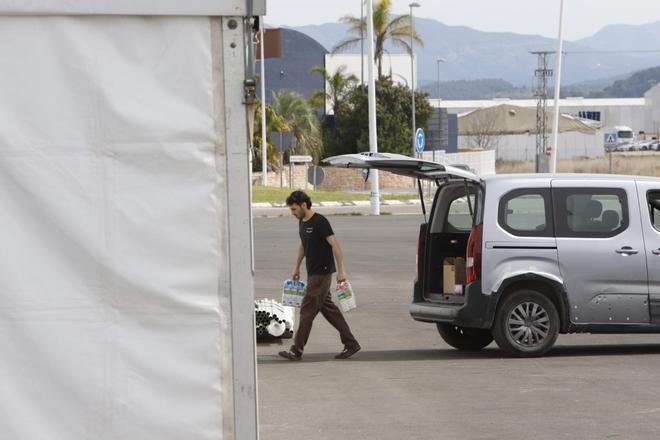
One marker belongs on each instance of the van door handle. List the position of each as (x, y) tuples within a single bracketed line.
[(627, 250), (656, 252)]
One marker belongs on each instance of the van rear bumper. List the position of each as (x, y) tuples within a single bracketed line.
[(478, 311)]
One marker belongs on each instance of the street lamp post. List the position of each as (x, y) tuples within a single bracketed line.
[(371, 96), (439, 60), (555, 121), (361, 44), (412, 73)]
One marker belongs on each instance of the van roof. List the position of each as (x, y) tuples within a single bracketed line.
[(568, 176)]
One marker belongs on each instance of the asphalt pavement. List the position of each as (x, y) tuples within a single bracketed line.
[(406, 383)]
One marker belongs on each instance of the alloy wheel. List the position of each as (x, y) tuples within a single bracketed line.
[(528, 324)]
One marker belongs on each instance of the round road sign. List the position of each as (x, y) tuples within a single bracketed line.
[(420, 140), (315, 175)]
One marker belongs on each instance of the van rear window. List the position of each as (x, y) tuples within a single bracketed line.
[(526, 212), (458, 216)]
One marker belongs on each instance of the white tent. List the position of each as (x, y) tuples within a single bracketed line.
[(126, 312)]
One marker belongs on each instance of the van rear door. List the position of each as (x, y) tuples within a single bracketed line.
[(402, 165), (420, 170)]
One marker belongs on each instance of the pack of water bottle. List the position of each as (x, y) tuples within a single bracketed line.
[(345, 296), (293, 293)]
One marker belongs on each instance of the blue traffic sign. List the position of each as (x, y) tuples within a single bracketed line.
[(610, 140), (420, 140)]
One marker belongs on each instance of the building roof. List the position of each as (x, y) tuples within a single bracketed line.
[(567, 102), (506, 119), (299, 53), (653, 91)]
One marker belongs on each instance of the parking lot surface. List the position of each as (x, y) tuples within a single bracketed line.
[(406, 383)]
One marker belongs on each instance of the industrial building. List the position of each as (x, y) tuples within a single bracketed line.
[(290, 55), (640, 114)]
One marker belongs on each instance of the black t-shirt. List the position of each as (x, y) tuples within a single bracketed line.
[(318, 252)]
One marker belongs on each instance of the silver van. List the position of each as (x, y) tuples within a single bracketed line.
[(531, 255)]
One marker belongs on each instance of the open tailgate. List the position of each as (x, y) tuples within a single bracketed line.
[(402, 165)]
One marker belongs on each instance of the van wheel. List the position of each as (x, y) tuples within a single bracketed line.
[(526, 324), (464, 338)]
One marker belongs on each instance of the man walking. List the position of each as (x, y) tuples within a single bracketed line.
[(318, 245)]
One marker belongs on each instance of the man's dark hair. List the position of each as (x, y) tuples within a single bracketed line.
[(299, 197)]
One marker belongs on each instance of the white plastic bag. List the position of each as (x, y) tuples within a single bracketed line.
[(345, 296), (293, 293)]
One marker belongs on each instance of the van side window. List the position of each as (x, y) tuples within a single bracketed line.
[(526, 212), (654, 208), (590, 212)]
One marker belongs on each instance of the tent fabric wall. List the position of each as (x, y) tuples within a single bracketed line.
[(132, 7), (111, 252)]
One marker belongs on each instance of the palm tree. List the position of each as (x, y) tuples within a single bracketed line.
[(273, 123), (396, 30), (301, 119), (337, 86)]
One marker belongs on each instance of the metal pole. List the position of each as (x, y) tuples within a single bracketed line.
[(439, 61), (361, 44), (264, 141), (373, 139), (555, 122), (281, 163), (412, 74), (610, 155)]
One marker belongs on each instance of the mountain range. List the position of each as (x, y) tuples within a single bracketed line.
[(470, 54)]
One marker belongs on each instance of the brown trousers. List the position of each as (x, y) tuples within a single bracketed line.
[(318, 298)]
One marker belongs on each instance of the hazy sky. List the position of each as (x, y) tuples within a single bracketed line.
[(582, 17)]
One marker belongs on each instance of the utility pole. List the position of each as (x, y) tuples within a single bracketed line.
[(373, 140), (412, 75), (541, 93)]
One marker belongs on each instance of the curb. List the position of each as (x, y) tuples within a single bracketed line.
[(341, 203)]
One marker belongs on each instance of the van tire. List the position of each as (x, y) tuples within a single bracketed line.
[(539, 331), (461, 338)]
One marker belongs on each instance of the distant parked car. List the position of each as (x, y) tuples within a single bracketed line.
[(627, 147), (644, 145), (655, 146)]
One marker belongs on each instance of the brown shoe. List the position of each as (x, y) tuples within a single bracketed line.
[(291, 355), (348, 352)]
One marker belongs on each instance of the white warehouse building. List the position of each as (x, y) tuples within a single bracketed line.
[(642, 115)]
